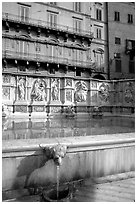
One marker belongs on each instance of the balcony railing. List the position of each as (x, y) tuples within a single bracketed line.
[(45, 59), (48, 25)]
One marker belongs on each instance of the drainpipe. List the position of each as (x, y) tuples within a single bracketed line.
[(107, 34)]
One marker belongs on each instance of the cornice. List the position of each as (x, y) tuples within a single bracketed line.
[(45, 42)]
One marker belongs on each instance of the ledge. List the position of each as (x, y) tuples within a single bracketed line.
[(14, 148)]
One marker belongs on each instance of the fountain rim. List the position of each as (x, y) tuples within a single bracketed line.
[(87, 143)]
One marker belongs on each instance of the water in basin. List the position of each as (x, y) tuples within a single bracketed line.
[(63, 127)]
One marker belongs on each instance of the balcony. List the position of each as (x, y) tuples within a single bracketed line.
[(44, 24), (7, 54)]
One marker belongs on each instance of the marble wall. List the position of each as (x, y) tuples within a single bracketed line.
[(31, 94)]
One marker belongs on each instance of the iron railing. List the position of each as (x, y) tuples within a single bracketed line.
[(48, 25)]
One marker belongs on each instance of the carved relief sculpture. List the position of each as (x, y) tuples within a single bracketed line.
[(6, 93), (69, 82), (69, 95), (104, 92), (81, 91), (6, 79), (38, 92), (55, 89), (21, 88), (129, 93)]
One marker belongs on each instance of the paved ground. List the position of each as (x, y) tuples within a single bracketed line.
[(114, 188), (115, 191)]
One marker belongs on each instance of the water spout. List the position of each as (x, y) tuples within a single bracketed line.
[(55, 152)]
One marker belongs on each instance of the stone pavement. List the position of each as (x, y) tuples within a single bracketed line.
[(112, 188), (115, 191)]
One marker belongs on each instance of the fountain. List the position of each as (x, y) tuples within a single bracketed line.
[(60, 193)]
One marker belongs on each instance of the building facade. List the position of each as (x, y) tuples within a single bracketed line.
[(50, 53), (121, 38)]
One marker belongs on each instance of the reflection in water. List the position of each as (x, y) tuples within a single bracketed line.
[(51, 128)]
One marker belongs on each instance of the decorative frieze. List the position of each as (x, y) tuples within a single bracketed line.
[(38, 108), (34, 95), (21, 108)]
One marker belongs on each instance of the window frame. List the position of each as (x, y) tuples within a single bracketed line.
[(52, 19), (117, 16), (131, 68), (24, 13), (117, 41), (99, 14), (77, 25), (78, 73), (98, 33), (118, 60), (130, 18), (77, 6)]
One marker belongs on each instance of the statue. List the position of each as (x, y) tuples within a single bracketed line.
[(21, 88), (55, 89)]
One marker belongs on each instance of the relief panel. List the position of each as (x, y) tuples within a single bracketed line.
[(6, 93), (6, 79), (69, 82), (129, 93), (104, 92), (81, 90), (39, 91), (69, 95)]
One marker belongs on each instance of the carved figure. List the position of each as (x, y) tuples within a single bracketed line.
[(21, 88), (55, 89), (81, 91), (129, 93), (39, 90), (104, 92)]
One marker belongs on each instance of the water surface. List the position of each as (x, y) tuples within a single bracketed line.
[(63, 127)]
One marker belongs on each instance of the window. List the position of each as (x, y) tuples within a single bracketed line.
[(117, 16), (23, 47), (117, 55), (117, 41), (52, 71), (130, 18), (131, 67), (99, 14), (77, 25), (52, 19), (77, 6), (78, 72), (24, 13), (53, 3), (118, 65), (98, 33)]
